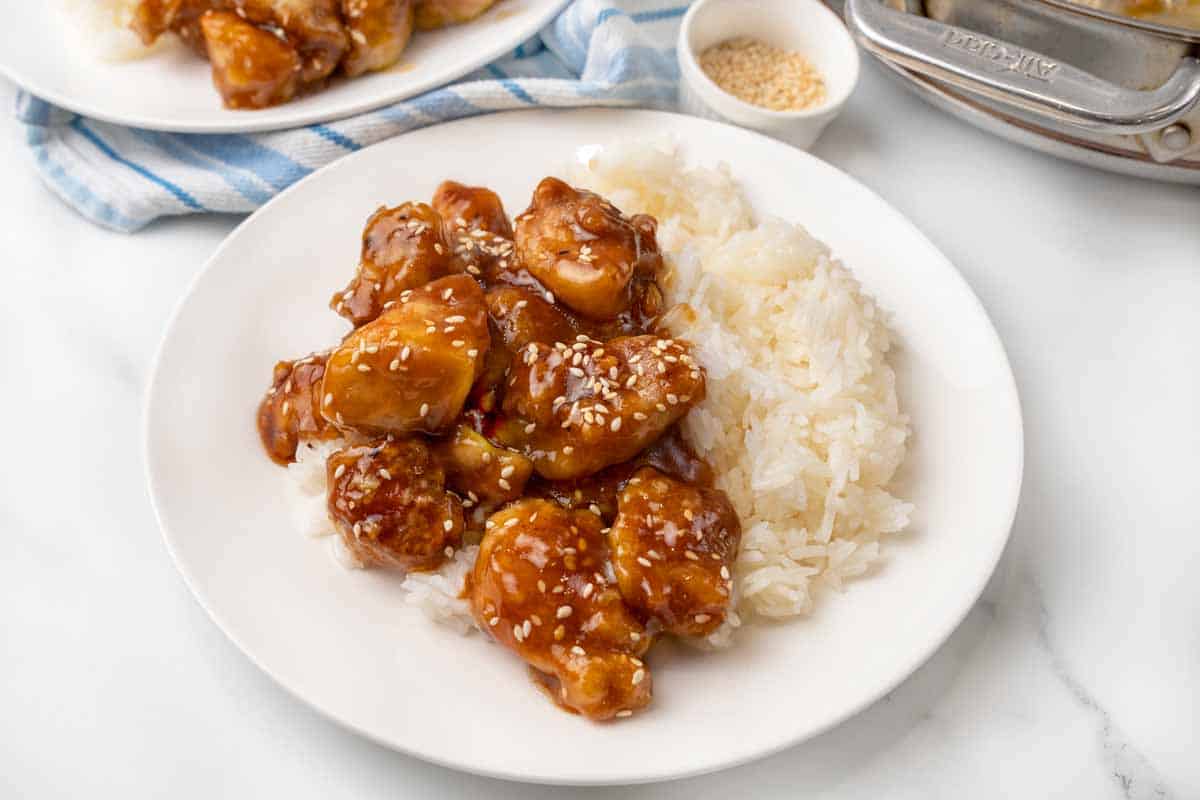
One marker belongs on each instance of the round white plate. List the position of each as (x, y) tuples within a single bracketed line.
[(171, 90), (341, 641)]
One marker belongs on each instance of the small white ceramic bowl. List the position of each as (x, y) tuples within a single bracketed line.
[(805, 26)]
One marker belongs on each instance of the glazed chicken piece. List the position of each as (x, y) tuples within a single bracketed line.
[(440, 13), (313, 27), (521, 317), (542, 587), (390, 506), (470, 208), (487, 475), (673, 547), (412, 368), (574, 409), (379, 31), (153, 18), (291, 409), (476, 228), (402, 248), (584, 250), (251, 67), (598, 492)]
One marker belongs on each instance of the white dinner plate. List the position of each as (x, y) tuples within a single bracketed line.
[(341, 641), (172, 90)]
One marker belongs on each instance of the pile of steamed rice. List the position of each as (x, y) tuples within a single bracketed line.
[(102, 28), (801, 422)]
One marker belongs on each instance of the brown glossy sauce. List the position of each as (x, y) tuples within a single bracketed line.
[(506, 383)]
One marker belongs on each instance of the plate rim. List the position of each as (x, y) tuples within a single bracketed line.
[(464, 765), (484, 55)]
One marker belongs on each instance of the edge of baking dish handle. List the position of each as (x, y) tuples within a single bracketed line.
[(1018, 77)]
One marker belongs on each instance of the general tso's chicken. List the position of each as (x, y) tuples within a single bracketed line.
[(673, 545), (487, 475), (251, 67), (522, 316), (598, 492), (584, 250), (577, 408), (291, 409), (402, 248), (542, 587), (389, 503), (379, 31), (153, 18), (471, 208), (440, 13), (313, 27), (412, 368), (477, 228)]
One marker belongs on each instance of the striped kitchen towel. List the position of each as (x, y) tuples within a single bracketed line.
[(596, 52)]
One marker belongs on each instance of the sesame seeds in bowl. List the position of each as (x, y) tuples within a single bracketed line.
[(782, 67)]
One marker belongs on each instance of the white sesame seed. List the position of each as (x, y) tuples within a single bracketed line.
[(527, 627), (518, 633), (645, 562), (448, 525), (424, 409), (328, 399), (507, 471), (460, 343), (625, 712), (494, 621), (563, 612), (567, 449), (505, 485), (363, 368), (579, 651), (340, 471), (638, 675), (702, 618), (616, 424), (587, 590), (530, 428)]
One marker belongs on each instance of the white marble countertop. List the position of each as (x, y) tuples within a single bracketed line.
[(1077, 675)]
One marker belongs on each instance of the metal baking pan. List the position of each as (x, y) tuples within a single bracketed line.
[(1080, 81)]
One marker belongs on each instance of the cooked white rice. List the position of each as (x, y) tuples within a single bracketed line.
[(102, 28), (801, 421)]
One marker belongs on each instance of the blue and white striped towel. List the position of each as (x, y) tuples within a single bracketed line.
[(596, 52)]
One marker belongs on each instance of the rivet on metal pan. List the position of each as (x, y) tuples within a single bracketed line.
[(1176, 137)]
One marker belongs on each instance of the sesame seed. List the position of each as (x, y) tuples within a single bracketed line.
[(446, 295), (383, 473), (577, 650), (527, 627), (587, 590), (460, 343), (472, 352), (405, 353), (616, 425), (424, 409), (457, 318), (494, 621), (541, 584), (340, 471), (559, 633), (688, 554), (638, 675), (563, 612), (645, 562), (363, 368), (725, 572), (625, 712), (448, 525), (505, 485), (449, 551), (639, 416), (568, 449), (518, 633), (702, 618), (530, 428), (507, 471), (395, 365)]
